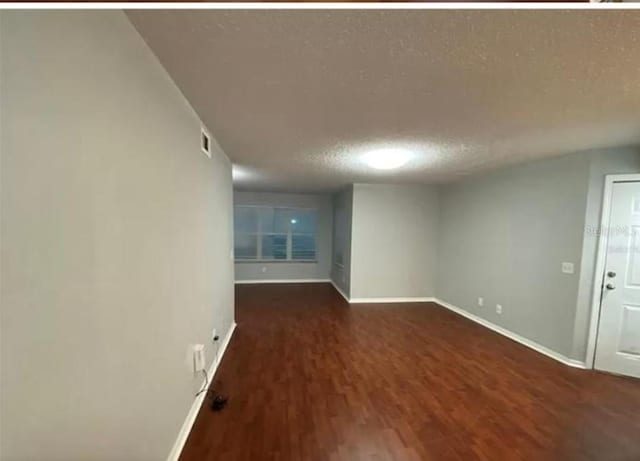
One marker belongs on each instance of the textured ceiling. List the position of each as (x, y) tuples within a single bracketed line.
[(295, 97)]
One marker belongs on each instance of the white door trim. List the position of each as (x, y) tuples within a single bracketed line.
[(601, 252)]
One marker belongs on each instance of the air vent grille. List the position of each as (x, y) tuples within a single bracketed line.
[(205, 142)]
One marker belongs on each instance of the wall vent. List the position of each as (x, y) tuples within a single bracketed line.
[(205, 142)]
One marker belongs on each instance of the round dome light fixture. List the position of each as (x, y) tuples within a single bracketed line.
[(387, 159)]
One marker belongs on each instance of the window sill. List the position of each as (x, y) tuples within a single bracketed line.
[(276, 261)]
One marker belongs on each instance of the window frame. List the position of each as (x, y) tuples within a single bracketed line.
[(259, 234)]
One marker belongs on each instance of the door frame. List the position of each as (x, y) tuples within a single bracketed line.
[(601, 253)]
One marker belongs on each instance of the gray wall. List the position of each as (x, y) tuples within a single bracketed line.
[(394, 241), (342, 220), (116, 240), (503, 237), (288, 270)]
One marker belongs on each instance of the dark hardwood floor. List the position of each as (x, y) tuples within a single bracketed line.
[(312, 378)]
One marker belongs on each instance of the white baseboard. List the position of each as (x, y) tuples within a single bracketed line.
[(245, 282), (339, 290), (197, 403), (391, 300), (509, 334), (379, 300), (498, 329)]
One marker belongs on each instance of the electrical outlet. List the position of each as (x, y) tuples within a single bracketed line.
[(214, 333), (567, 268), (198, 358), (480, 301), (498, 309), (264, 268)]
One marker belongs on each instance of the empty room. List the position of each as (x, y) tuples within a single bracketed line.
[(316, 234)]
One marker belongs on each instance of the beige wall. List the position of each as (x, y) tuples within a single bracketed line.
[(394, 243), (116, 242)]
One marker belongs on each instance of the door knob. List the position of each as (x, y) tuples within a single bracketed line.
[(611, 274), (610, 286)]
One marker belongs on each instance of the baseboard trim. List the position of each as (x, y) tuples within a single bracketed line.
[(197, 403), (258, 281), (380, 300), (513, 336), (391, 300), (339, 290)]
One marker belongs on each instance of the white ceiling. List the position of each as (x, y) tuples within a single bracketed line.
[(294, 97)]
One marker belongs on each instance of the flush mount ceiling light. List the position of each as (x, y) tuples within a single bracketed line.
[(387, 159), (240, 173)]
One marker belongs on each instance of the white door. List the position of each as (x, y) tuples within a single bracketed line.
[(618, 344)]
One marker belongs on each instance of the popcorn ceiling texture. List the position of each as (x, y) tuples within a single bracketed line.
[(294, 97)]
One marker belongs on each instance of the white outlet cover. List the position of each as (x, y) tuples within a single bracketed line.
[(264, 268), (198, 358), (498, 308), (480, 301), (567, 268), (213, 334)]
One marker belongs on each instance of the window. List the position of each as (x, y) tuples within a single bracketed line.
[(274, 234)]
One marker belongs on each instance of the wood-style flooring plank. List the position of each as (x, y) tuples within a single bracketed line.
[(312, 378)]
